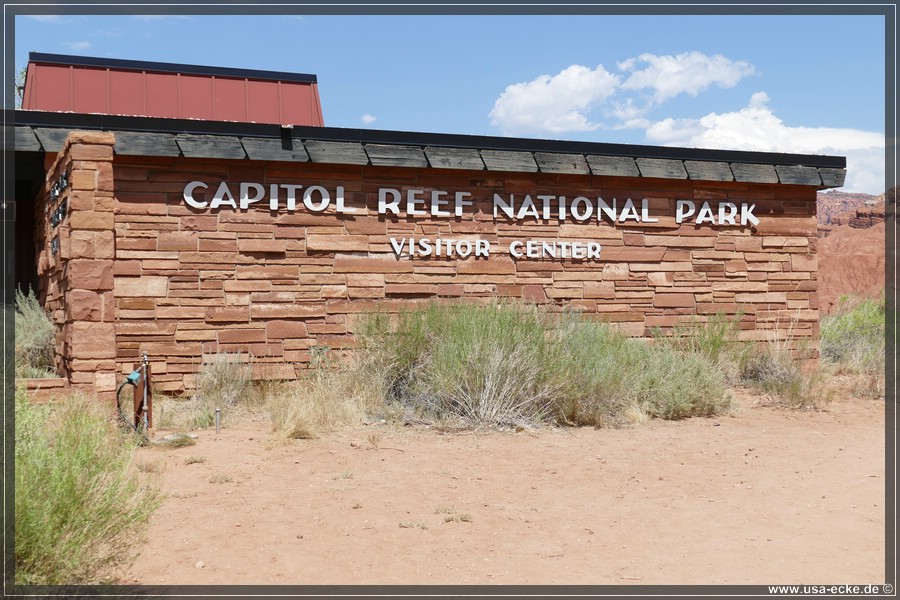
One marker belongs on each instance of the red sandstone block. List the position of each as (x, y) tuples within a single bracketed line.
[(664, 300), (673, 267), (198, 223), (91, 152), (804, 262), (450, 290), (81, 244), (761, 298), (240, 336), (132, 203), (91, 219), (365, 226), (632, 255), (267, 272), (318, 326), (740, 286), (788, 226), (679, 241), (141, 286), (261, 245), (90, 274), (633, 239), (662, 279), (141, 328), (599, 289), (208, 245), (365, 292), (247, 285), (279, 329), (104, 244), (286, 311), (554, 293), (176, 241), (494, 264), (91, 340), (362, 264), (84, 305), (365, 279), (84, 180), (332, 291), (409, 289), (227, 315), (337, 243), (525, 266), (614, 272), (534, 293), (166, 349), (80, 200), (90, 137)]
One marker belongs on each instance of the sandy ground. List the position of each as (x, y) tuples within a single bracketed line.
[(762, 496)]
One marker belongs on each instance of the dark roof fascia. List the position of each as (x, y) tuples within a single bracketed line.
[(160, 67), (373, 136)]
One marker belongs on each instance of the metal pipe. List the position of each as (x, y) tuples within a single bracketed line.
[(218, 420), (145, 360)]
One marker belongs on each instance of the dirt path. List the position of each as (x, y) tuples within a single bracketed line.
[(759, 497)]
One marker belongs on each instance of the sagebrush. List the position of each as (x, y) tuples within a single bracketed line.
[(80, 512), (34, 338), (514, 364)]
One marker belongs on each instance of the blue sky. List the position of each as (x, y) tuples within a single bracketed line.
[(811, 84)]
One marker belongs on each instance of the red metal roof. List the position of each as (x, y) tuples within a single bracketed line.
[(60, 83)]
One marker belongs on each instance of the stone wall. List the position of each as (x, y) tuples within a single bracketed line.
[(75, 259), (143, 272)]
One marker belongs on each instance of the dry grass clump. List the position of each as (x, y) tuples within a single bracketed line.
[(223, 380), (320, 402)]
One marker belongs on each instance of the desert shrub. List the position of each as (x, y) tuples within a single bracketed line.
[(79, 512), (35, 333), (774, 370), (853, 337), (222, 381), (611, 380), (479, 364), (504, 364)]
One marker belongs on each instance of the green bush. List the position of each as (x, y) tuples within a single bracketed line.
[(505, 364), (79, 512), (854, 336), (611, 379), (35, 335)]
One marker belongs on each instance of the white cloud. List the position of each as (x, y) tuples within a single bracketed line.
[(686, 73), (756, 128), (574, 99), (553, 104), (45, 18), (367, 119), (83, 45)]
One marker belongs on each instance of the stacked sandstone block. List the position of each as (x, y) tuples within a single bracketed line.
[(77, 274), (183, 284)]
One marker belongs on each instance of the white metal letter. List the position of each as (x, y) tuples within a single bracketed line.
[(384, 205), (189, 194)]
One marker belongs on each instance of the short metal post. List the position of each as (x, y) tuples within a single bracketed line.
[(218, 420)]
